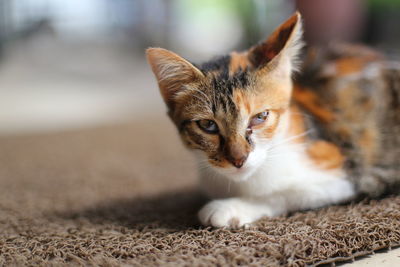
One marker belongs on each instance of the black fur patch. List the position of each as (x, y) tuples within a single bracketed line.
[(223, 83), (217, 64)]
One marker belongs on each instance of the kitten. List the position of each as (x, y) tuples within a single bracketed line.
[(266, 146)]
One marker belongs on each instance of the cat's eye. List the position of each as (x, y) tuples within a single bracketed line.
[(259, 118), (208, 126)]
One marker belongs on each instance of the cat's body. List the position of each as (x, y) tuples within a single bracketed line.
[(266, 146), (353, 95)]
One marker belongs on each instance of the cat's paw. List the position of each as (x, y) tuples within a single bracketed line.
[(224, 213)]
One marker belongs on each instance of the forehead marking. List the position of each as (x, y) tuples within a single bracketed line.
[(242, 101), (239, 61)]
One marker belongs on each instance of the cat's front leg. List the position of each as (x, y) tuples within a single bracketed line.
[(238, 211), (232, 212)]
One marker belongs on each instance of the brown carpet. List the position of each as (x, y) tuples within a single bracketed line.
[(126, 195)]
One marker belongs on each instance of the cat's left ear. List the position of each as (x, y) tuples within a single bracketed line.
[(172, 72), (281, 49)]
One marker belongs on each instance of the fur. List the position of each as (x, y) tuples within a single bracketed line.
[(266, 146)]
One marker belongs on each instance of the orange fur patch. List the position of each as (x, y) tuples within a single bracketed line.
[(238, 61), (309, 100), (325, 155), (346, 66)]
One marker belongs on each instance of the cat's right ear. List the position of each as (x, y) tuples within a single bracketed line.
[(172, 73), (282, 47)]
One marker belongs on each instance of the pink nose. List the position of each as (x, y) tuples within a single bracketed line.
[(236, 151), (238, 163)]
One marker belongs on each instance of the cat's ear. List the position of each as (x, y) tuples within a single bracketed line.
[(281, 48), (172, 72)]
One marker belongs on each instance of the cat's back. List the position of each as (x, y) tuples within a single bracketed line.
[(352, 94)]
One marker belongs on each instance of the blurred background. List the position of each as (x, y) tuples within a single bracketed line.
[(70, 64)]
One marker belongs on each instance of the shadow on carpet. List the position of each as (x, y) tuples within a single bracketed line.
[(174, 210)]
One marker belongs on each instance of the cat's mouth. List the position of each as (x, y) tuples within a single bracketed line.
[(249, 167), (224, 168), (234, 173)]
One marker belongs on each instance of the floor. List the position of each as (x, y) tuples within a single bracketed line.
[(49, 85), (384, 259)]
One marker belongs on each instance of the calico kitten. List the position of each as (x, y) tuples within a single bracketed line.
[(266, 146)]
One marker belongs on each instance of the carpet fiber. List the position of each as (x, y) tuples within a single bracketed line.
[(127, 195)]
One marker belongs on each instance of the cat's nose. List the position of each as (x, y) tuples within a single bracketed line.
[(236, 152), (238, 163)]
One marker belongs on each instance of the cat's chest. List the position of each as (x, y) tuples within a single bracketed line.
[(282, 169)]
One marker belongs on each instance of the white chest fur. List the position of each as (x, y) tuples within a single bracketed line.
[(270, 185)]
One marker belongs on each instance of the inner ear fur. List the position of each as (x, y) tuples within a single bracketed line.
[(172, 72), (284, 42)]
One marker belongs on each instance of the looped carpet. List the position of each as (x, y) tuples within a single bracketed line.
[(127, 194)]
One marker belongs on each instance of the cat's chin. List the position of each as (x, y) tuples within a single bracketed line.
[(239, 175), (235, 174)]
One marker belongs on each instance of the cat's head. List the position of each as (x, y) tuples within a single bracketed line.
[(231, 109)]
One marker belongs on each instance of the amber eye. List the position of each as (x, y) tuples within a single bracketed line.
[(208, 126), (259, 118)]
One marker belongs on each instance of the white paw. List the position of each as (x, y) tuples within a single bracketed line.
[(224, 213)]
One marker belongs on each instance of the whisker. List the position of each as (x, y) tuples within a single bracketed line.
[(287, 140), (302, 114)]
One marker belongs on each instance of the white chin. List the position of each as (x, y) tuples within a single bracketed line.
[(249, 168), (239, 174), (235, 174)]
